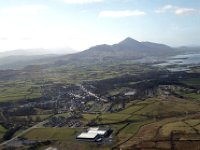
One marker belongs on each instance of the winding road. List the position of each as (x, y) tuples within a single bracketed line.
[(92, 94)]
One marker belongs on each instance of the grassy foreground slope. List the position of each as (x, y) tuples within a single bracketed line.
[(148, 119)]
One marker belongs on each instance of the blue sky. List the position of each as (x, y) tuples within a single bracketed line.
[(83, 23)]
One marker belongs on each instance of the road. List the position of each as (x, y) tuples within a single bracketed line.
[(20, 134), (92, 94), (35, 126)]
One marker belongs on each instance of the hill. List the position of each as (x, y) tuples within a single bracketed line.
[(128, 49), (16, 59), (39, 51)]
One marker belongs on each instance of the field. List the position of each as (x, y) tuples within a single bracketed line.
[(157, 119), (76, 73), (178, 126), (52, 134), (192, 82), (35, 117), (14, 91), (2, 131), (64, 138), (146, 115), (194, 96), (150, 108), (149, 119), (158, 135)]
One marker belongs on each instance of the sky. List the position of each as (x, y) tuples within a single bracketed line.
[(80, 24)]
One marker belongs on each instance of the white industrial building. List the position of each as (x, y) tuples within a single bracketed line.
[(93, 134)]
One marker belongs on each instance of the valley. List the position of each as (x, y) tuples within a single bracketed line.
[(147, 106)]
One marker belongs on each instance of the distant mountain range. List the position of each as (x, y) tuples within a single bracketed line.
[(128, 49), (39, 51), (21, 57)]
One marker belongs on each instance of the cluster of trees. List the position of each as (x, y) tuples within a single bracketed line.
[(21, 111), (9, 133)]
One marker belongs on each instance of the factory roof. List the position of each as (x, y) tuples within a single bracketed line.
[(87, 135), (92, 133)]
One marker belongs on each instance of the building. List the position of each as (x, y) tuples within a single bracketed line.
[(94, 134)]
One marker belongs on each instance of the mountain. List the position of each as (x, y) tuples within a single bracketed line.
[(20, 61), (187, 49), (15, 59), (128, 49), (39, 51)]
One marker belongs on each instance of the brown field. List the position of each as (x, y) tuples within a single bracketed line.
[(166, 134)]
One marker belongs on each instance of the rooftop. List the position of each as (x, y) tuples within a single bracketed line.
[(92, 133), (87, 135)]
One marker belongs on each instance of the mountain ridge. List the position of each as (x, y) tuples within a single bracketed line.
[(37, 51), (128, 49)]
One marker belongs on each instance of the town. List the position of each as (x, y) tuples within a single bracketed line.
[(82, 108)]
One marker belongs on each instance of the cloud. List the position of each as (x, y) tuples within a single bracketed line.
[(121, 13), (82, 1), (165, 9), (177, 10), (181, 11), (3, 38), (25, 9), (26, 38), (84, 11)]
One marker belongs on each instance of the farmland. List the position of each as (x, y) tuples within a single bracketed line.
[(142, 107), (146, 116), (14, 91), (52, 134), (153, 134), (192, 82), (2, 131)]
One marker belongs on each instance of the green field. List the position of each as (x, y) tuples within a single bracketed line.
[(130, 113), (2, 131), (194, 96), (153, 112), (148, 109), (121, 128), (192, 82), (131, 109), (145, 112), (14, 91), (77, 73), (52, 134), (112, 117), (171, 107), (134, 127), (89, 117), (35, 117)]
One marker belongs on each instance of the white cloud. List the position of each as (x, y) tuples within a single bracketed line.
[(25, 9), (122, 13), (82, 1), (84, 11), (3, 38), (181, 11), (165, 9), (177, 10)]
